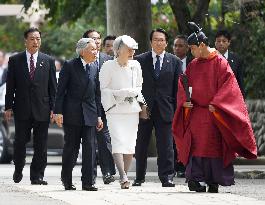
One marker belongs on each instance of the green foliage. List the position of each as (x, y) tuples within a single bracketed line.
[(250, 45), (58, 39), (11, 34)]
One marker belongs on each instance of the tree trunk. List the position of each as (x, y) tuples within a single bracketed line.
[(201, 11), (132, 18), (182, 14)]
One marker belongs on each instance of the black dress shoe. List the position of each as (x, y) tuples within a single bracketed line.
[(168, 183), (69, 187), (196, 186), (213, 188), (17, 176), (137, 182), (107, 179), (38, 182), (89, 188)]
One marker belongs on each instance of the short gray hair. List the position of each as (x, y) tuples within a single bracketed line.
[(124, 40), (82, 43)]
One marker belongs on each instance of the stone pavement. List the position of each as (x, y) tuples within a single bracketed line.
[(150, 193)]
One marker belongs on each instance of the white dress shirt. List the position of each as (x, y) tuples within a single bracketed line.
[(161, 58), (226, 55), (184, 64), (35, 56)]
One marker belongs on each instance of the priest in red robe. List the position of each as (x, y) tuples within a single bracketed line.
[(211, 125)]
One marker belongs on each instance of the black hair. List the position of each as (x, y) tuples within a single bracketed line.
[(181, 36), (109, 37), (160, 30), (197, 37), (224, 33), (85, 35), (31, 30)]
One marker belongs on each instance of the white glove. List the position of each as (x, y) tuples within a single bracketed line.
[(132, 93)]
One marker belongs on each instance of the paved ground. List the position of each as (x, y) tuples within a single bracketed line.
[(246, 191)]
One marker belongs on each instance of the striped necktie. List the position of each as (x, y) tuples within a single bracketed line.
[(31, 67)]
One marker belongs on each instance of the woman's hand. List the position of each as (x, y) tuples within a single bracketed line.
[(188, 105)]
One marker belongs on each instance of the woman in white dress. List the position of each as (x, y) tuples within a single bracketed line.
[(121, 85)]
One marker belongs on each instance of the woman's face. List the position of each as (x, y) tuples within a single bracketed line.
[(126, 53)]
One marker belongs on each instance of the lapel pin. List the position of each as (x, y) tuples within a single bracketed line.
[(167, 61)]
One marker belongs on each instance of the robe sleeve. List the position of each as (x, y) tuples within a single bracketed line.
[(231, 116)]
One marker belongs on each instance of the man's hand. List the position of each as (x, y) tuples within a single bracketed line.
[(59, 120), (99, 124), (8, 114), (211, 108), (52, 117), (188, 105)]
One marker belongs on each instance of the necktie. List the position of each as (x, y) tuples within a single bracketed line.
[(157, 67), (96, 63), (88, 70), (31, 67)]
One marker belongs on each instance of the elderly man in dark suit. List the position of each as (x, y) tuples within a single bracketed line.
[(30, 94), (222, 43), (105, 158), (160, 72), (77, 107)]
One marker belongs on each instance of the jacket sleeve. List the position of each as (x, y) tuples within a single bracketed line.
[(10, 85), (98, 96), (52, 84), (62, 88)]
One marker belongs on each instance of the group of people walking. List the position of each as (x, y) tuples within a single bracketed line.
[(98, 100)]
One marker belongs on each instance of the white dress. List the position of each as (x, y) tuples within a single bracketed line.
[(120, 93)]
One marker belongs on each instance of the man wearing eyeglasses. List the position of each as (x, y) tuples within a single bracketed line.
[(160, 71), (105, 158)]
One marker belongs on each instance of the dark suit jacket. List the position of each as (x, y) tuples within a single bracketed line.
[(78, 97), (236, 66), (162, 91), (103, 57), (28, 97)]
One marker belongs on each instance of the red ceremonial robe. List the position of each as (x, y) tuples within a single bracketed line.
[(223, 133)]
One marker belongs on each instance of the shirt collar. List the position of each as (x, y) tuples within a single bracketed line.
[(226, 54), (184, 59), (97, 56), (161, 55), (35, 55), (83, 62)]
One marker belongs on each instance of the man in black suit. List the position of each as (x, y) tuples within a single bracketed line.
[(30, 94), (105, 158), (181, 50), (77, 107), (160, 72), (222, 43)]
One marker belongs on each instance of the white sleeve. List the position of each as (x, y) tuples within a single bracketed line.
[(139, 83), (107, 98)]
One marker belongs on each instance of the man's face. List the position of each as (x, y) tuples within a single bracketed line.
[(95, 35), (89, 53), (33, 42), (158, 42), (195, 51), (222, 44), (180, 48), (108, 48)]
